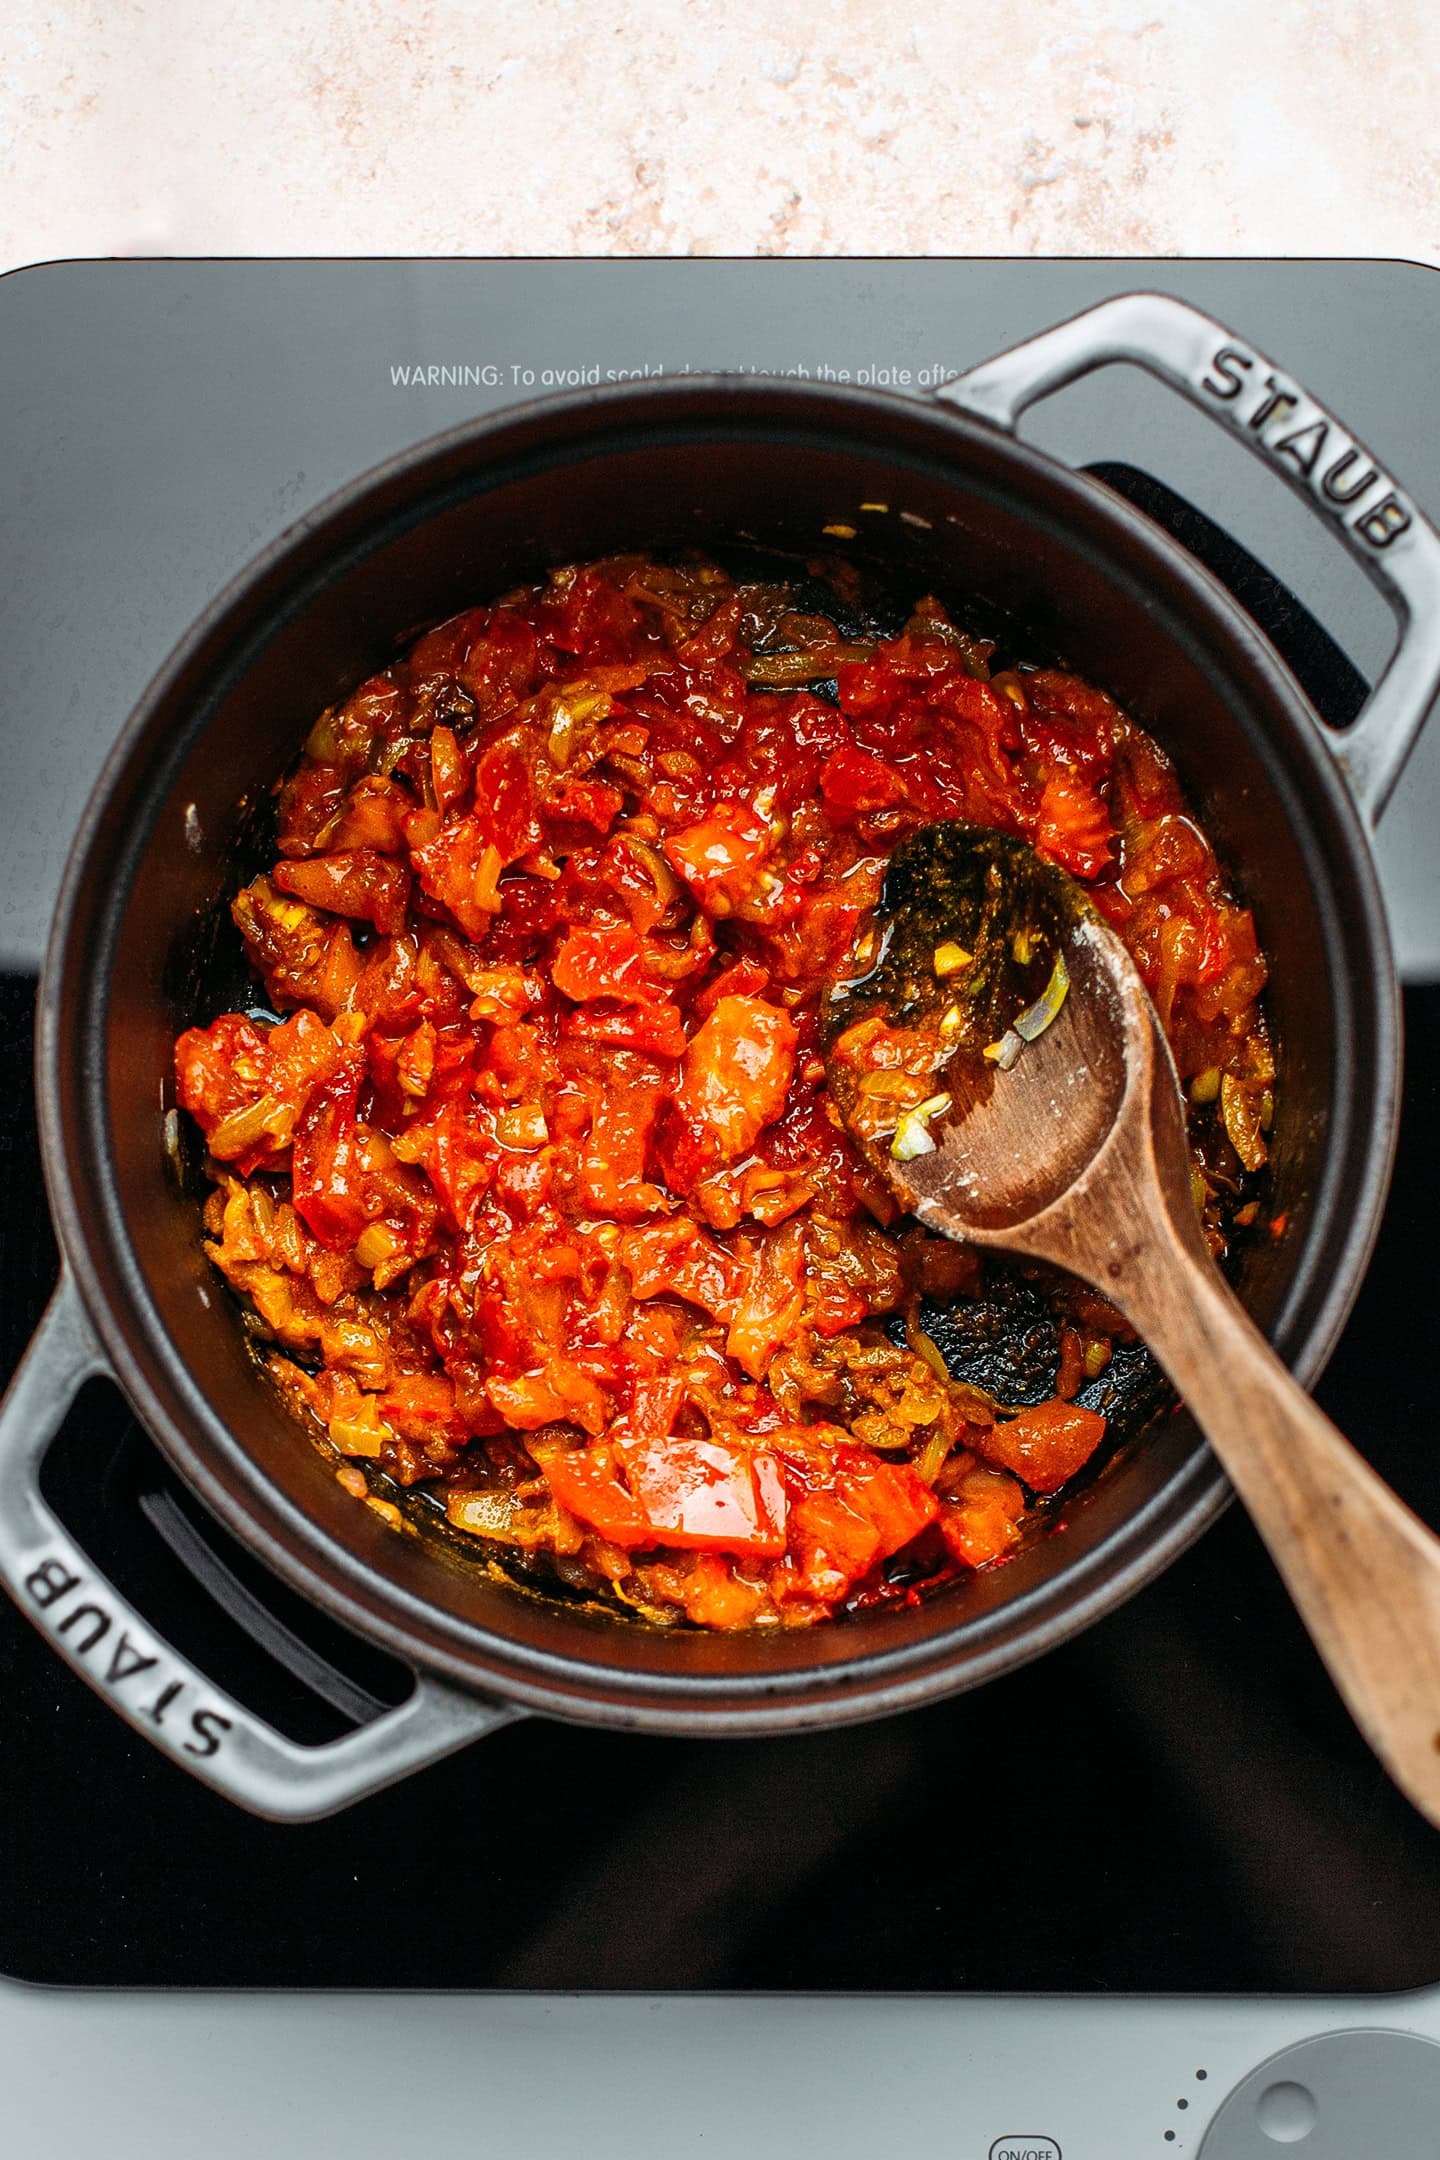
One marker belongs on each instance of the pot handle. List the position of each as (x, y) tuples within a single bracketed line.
[(104, 1640), (1267, 410)]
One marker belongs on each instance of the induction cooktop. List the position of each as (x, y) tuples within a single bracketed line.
[(1074, 1912)]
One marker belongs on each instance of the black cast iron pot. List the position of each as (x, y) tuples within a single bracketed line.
[(463, 517)]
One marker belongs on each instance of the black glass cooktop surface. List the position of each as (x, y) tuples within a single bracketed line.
[(1173, 1802)]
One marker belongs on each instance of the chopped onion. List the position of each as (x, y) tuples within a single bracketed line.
[(931, 1459), (1097, 1356), (1241, 1110), (262, 1120), (950, 958), (483, 1514), (1037, 1017), (1004, 1053), (923, 1347), (522, 1128), (376, 1244), (912, 1134), (667, 885), (485, 893), (360, 1430), (781, 671), (912, 1138)]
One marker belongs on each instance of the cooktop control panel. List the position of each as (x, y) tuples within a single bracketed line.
[(1019, 2078)]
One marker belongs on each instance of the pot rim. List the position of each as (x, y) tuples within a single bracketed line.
[(95, 1245)]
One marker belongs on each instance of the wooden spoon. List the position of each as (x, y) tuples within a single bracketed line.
[(1077, 1155)]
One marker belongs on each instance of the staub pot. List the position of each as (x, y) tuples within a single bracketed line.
[(968, 508)]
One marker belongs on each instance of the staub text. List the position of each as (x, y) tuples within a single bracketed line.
[(1343, 478), (92, 1637)]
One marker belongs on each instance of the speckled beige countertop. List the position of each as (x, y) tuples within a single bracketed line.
[(719, 126)]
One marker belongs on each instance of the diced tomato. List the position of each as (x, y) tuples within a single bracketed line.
[(246, 1086), (505, 801), (706, 1496), (713, 1596), (1074, 826), (501, 993), (1162, 848), (499, 662), (834, 1544), (443, 649), (458, 867), (721, 858), (772, 1303), (737, 1073), (656, 1026), (676, 1258), (889, 1495), (589, 616), (522, 1183), (374, 815), (769, 1195), (697, 1495), (459, 863), (561, 1392), (822, 936), (501, 1329), (457, 1153), (855, 780), (981, 1521), (587, 1484), (422, 1407), (867, 1510), (612, 1162), (1068, 722), (746, 978), (359, 882), (587, 802), (328, 1162), (870, 689), (654, 1405), (522, 1059), (1045, 1445), (601, 963)]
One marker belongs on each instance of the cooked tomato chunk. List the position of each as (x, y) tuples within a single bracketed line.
[(358, 881), (1046, 1445)]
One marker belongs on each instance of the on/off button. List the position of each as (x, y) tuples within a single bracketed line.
[(1286, 2112), (1025, 2148)]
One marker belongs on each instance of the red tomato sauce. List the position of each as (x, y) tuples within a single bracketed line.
[(536, 1191)]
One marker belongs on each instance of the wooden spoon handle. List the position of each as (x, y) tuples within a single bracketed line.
[(1364, 1571)]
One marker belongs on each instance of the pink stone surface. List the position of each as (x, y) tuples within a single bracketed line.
[(746, 127)]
